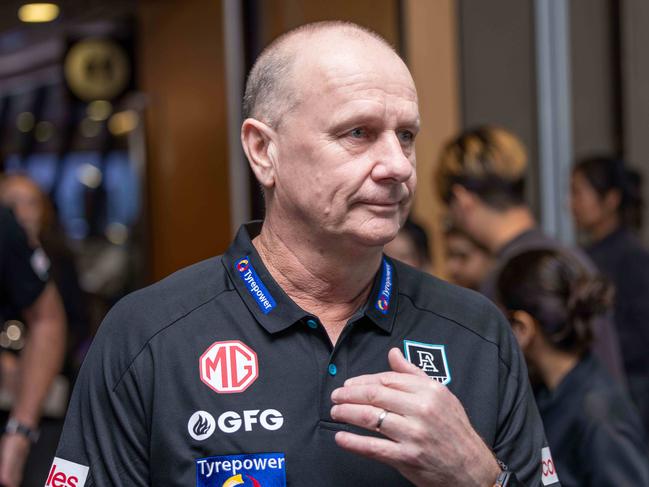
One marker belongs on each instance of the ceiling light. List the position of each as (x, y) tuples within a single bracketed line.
[(38, 12)]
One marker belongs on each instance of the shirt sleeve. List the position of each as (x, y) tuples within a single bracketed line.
[(615, 452), (106, 431), (520, 439), (18, 279)]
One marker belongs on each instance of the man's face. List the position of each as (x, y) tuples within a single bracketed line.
[(588, 208), (467, 265), (346, 153)]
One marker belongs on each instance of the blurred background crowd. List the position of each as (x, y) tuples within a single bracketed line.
[(120, 158)]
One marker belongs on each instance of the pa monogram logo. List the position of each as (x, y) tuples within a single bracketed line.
[(429, 358)]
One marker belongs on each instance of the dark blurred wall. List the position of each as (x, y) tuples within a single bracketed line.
[(634, 20), (281, 15), (183, 74), (498, 72)]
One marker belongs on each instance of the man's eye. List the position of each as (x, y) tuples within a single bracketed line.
[(358, 133), (406, 136)]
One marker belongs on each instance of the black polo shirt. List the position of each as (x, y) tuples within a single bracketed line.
[(595, 433), (214, 376)]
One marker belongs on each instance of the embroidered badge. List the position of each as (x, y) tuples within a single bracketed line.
[(429, 358)]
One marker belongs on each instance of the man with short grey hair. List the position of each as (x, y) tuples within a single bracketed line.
[(303, 355)]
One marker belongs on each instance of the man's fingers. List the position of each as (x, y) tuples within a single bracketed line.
[(378, 396), (393, 380), (398, 379), (380, 449), (398, 363), (393, 425)]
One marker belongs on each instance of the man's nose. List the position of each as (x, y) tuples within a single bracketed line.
[(392, 162)]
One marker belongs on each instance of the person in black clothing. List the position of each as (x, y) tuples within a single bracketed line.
[(592, 427), (602, 198), (35, 214), (480, 175), (24, 285)]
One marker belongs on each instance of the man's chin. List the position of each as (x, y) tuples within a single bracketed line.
[(378, 234)]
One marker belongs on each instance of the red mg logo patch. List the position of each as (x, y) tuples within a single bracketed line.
[(229, 367)]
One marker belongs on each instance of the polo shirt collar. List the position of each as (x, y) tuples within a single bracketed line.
[(273, 308)]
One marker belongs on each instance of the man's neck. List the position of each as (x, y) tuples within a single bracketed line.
[(605, 227), (504, 226), (323, 280)]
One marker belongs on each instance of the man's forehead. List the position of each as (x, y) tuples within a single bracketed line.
[(351, 64)]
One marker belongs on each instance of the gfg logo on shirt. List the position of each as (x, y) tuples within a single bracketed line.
[(256, 470), (201, 424), (229, 367), (64, 473)]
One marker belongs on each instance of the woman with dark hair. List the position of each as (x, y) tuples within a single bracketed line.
[(605, 202), (593, 430)]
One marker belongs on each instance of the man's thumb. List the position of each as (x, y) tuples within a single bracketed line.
[(398, 363)]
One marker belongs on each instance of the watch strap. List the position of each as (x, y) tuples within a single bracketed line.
[(503, 479), (14, 426)]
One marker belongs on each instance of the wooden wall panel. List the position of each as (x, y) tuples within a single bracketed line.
[(431, 50), (181, 64)]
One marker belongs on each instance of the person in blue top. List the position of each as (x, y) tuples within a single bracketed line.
[(592, 427)]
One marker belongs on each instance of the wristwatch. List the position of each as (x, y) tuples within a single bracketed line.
[(14, 426), (507, 479), (503, 479)]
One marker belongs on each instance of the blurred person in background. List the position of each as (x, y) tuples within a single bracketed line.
[(592, 427), (480, 176), (25, 288), (34, 212), (604, 202), (411, 246), (468, 262)]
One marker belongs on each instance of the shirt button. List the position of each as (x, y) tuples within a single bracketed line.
[(312, 324), (333, 370)]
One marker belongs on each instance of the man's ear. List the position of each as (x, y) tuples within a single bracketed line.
[(260, 148), (464, 198), (524, 328), (612, 200)]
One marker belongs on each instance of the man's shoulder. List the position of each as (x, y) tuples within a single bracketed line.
[(468, 309), (143, 314), (176, 295)]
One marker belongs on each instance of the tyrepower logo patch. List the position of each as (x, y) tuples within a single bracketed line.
[(64, 473), (254, 470), (548, 472), (229, 367), (385, 289), (254, 285)]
